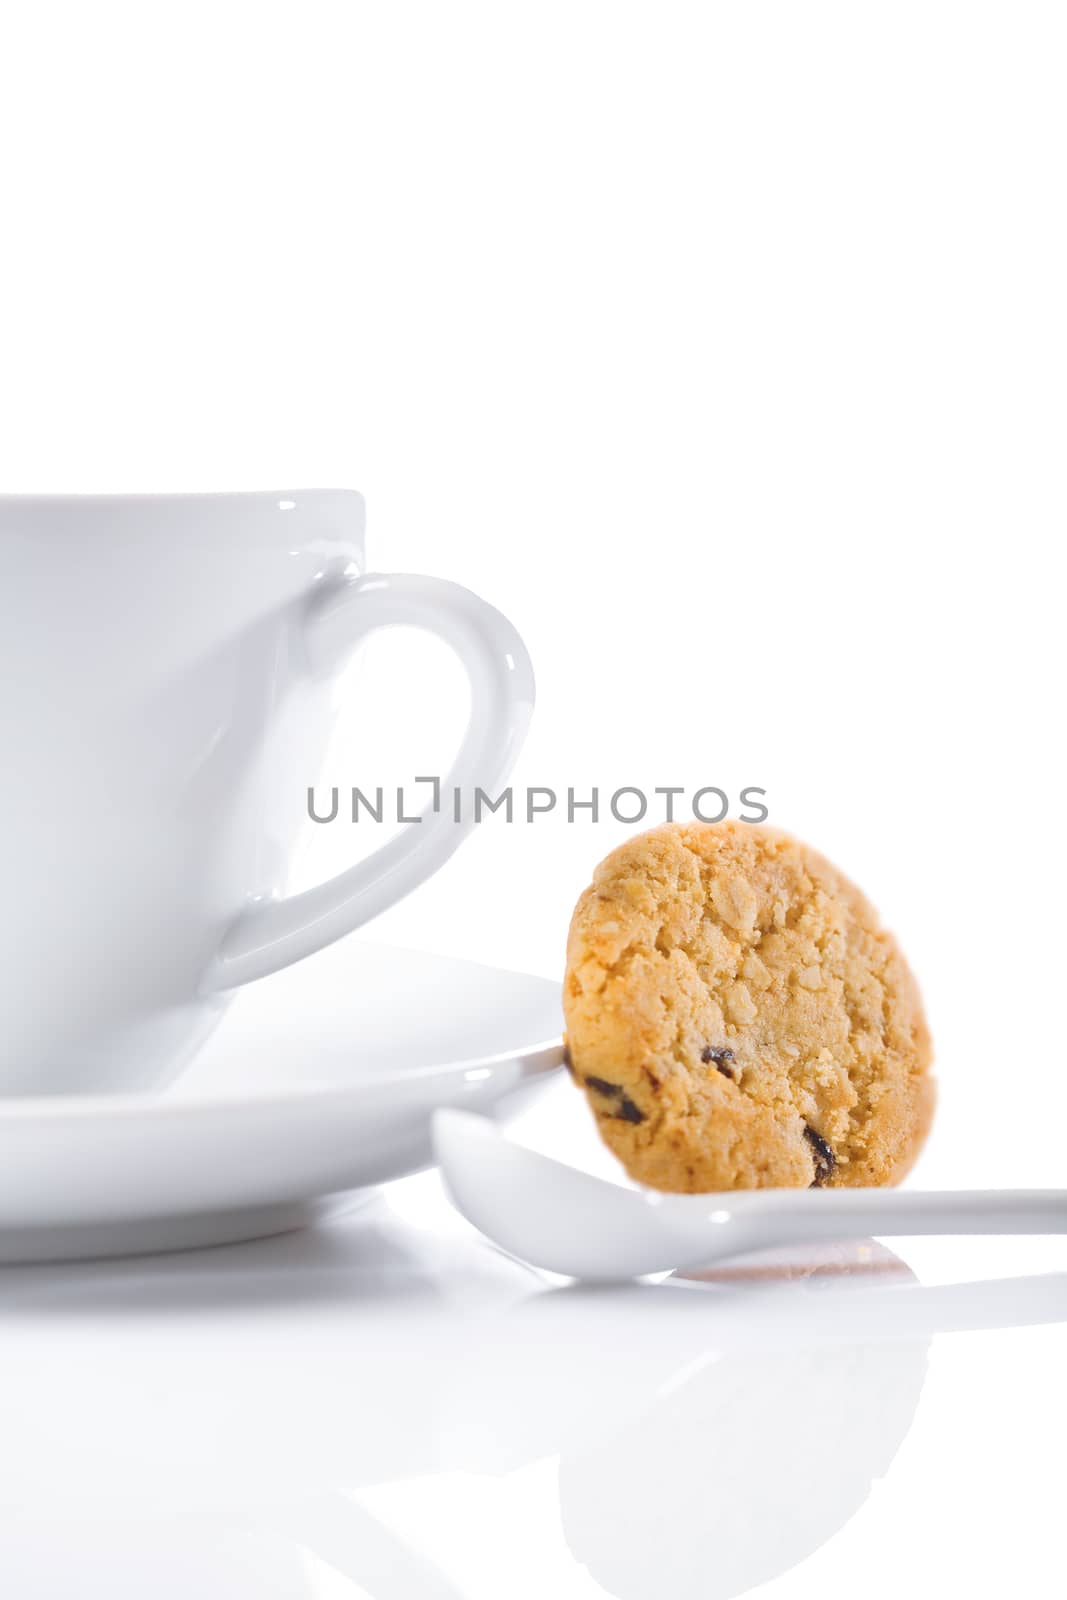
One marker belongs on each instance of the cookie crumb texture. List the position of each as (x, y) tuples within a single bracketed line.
[(738, 1018)]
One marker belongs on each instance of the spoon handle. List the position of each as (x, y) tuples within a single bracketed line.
[(846, 1213)]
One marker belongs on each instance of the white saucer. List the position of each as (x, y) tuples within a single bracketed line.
[(319, 1081)]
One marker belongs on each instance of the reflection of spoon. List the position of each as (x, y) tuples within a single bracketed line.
[(575, 1224), (556, 1372), (710, 1437)]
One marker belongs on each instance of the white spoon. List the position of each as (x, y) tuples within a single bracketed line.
[(569, 1222)]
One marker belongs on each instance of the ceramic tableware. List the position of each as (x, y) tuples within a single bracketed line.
[(165, 699)]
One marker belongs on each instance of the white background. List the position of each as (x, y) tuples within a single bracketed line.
[(721, 346)]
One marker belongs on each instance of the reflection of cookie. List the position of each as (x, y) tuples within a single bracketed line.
[(738, 1018), (744, 1461)]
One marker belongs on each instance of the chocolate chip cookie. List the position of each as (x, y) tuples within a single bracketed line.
[(739, 1019)]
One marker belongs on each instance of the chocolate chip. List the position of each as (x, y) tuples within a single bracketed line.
[(627, 1110), (825, 1160), (602, 1086), (719, 1055)]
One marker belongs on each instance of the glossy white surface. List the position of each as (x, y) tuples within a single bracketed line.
[(526, 1203), (320, 1081), (165, 668), (388, 1407)]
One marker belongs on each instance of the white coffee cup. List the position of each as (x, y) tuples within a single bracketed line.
[(165, 666)]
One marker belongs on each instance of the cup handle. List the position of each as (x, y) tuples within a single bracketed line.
[(276, 933)]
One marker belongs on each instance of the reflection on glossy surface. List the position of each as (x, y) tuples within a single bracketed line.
[(746, 1460), (289, 1418), (723, 1435), (170, 1560), (312, 1550)]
